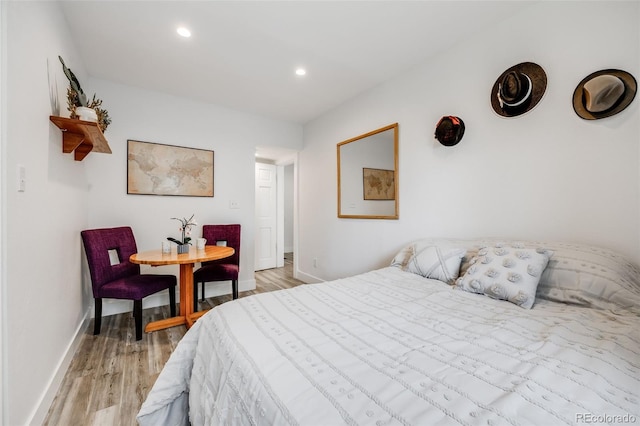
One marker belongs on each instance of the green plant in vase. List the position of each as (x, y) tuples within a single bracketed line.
[(185, 229)]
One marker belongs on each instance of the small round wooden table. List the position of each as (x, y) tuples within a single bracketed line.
[(186, 262)]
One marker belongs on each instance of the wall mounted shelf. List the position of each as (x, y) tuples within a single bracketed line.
[(80, 137)]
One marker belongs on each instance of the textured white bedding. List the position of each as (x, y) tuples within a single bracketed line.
[(390, 347)]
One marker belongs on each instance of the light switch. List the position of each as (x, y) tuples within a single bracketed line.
[(22, 178), (233, 204)]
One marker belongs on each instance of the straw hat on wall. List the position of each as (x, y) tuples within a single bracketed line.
[(604, 93)]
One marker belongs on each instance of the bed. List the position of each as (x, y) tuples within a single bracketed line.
[(421, 342)]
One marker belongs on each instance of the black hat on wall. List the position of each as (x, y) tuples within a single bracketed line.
[(518, 89), (604, 93), (449, 130)]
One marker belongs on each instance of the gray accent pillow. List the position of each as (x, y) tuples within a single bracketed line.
[(506, 272)]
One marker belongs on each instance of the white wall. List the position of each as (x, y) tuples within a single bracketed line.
[(45, 302), (546, 175), (3, 287), (152, 117)]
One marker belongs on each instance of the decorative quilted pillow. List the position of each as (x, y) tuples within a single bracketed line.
[(437, 262), (507, 272)]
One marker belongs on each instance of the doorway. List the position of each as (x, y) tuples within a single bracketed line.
[(266, 214), (275, 208)]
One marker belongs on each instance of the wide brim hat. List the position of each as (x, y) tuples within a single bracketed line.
[(449, 130), (630, 89), (535, 77)]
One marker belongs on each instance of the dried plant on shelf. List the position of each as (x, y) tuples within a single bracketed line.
[(103, 115), (72, 99), (77, 98)]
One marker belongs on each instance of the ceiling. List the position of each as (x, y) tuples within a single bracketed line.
[(243, 54)]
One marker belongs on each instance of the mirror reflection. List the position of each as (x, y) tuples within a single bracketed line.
[(368, 175)]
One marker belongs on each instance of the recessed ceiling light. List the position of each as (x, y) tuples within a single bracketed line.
[(184, 32), (301, 71)]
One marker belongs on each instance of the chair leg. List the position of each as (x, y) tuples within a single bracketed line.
[(97, 321), (172, 300), (234, 288), (195, 297), (202, 285), (137, 313)]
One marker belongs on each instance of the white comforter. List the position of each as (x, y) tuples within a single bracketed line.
[(389, 347)]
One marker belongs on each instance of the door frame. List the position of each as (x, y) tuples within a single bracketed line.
[(279, 216), (291, 159)]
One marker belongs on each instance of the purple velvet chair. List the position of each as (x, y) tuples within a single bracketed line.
[(226, 269), (114, 277)]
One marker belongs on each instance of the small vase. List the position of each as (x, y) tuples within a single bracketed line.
[(86, 114), (183, 248)]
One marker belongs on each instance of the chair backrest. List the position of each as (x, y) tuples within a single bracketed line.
[(228, 233), (98, 243)]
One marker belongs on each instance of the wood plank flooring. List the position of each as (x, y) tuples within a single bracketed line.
[(112, 373)]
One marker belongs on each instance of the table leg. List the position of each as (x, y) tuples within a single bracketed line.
[(165, 323), (194, 316), (186, 292), (186, 289), (186, 303)]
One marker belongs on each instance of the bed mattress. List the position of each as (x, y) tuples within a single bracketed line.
[(389, 347)]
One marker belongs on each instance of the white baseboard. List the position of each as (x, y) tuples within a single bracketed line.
[(307, 278), (51, 390)]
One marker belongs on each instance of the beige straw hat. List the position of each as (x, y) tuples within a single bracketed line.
[(604, 93)]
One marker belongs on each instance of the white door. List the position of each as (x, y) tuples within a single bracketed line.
[(266, 216)]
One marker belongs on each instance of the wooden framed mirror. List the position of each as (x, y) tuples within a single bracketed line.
[(368, 175)]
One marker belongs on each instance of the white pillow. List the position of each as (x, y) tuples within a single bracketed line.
[(405, 254), (594, 277), (507, 272), (436, 262), (577, 274)]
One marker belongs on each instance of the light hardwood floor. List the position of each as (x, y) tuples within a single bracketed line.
[(112, 373)]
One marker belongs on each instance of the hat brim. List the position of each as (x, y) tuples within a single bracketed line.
[(538, 80), (630, 89)]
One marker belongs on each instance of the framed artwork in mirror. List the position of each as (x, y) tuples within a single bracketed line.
[(378, 184)]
